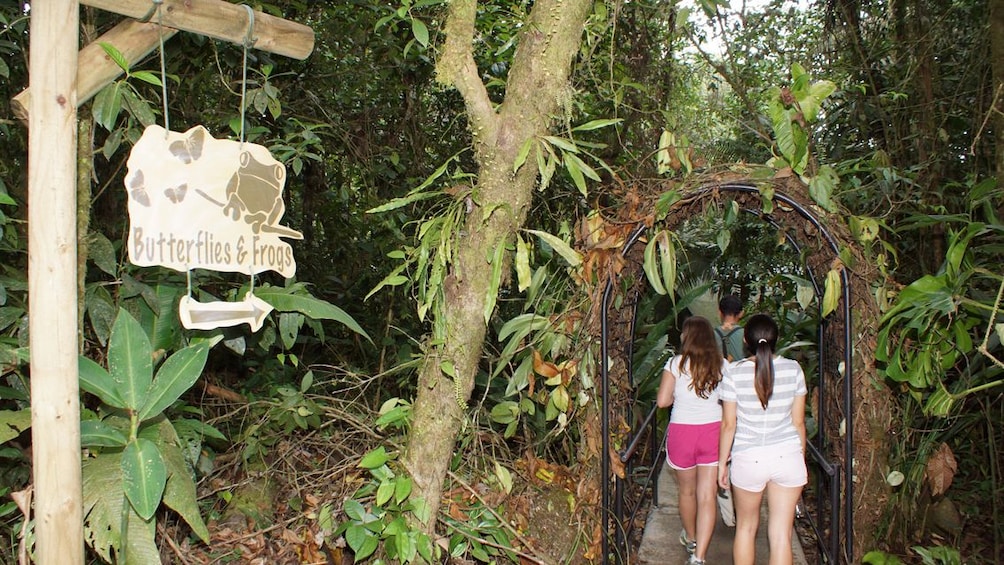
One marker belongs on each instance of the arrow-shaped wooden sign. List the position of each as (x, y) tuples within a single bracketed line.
[(211, 315)]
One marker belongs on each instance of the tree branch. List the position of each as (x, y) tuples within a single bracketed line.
[(456, 66)]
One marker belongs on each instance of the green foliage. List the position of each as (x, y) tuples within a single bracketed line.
[(383, 514), (926, 335), (137, 461), (792, 110), (660, 263)]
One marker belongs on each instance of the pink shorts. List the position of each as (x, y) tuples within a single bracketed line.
[(690, 445), (784, 465)]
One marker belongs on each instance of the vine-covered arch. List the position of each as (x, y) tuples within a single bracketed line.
[(849, 403)]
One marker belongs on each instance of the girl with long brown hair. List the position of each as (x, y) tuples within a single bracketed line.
[(690, 384)]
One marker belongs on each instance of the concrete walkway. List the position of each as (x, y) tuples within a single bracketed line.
[(660, 542)]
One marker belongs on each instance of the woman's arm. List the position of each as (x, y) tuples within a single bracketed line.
[(798, 418), (725, 438), (667, 385)]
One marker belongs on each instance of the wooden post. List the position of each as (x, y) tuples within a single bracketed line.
[(52, 282)]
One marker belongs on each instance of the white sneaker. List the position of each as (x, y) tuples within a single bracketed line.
[(694, 561), (691, 545)]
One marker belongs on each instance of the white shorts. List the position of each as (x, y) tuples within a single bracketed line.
[(784, 465)]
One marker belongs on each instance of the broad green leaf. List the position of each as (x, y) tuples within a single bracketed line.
[(138, 107), (96, 380), (832, 291), (562, 143), (546, 164), (395, 278), (384, 492), (560, 398), (667, 262), (180, 493), (522, 325), (178, 373), (101, 482), (523, 275), (315, 308), (597, 124), (13, 422), (582, 166), (811, 101), (524, 152), (821, 187), (115, 55), (666, 201), (724, 239), (101, 251), (144, 476), (496, 282), (129, 360), (101, 311), (420, 32), (107, 105), (362, 541), (505, 412), (147, 77), (504, 477), (651, 267), (939, 403), (374, 458), (402, 489), (571, 256), (662, 157), (95, 433), (572, 166), (403, 201)]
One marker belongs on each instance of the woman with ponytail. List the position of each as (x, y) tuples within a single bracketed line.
[(763, 431)]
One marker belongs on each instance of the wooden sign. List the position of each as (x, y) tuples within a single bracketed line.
[(196, 202)]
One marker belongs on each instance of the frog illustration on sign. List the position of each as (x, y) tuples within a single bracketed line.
[(254, 193)]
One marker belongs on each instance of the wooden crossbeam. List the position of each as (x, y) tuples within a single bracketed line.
[(220, 20), (95, 69), (135, 40)]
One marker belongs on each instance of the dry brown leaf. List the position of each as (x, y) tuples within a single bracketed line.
[(543, 368), (941, 468), (616, 465)]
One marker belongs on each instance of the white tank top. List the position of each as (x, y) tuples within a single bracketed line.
[(688, 408)]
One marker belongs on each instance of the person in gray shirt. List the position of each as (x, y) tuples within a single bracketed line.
[(763, 431)]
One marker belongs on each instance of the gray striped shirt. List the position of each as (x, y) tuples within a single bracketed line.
[(756, 426)]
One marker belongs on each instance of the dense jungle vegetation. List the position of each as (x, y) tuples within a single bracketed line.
[(462, 173)]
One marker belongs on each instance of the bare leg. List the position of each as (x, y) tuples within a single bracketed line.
[(747, 521), (707, 507), (687, 485), (781, 503)]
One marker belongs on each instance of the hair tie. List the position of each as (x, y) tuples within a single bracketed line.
[(761, 340)]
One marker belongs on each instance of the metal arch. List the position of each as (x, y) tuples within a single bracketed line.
[(848, 470)]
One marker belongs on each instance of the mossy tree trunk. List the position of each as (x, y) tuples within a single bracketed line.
[(538, 81)]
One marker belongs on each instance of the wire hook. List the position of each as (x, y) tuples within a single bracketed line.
[(249, 39), (153, 9)]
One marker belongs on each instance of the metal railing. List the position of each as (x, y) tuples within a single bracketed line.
[(623, 498)]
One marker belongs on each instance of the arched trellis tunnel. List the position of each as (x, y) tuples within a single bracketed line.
[(629, 429)]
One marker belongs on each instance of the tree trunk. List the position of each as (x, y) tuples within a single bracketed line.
[(537, 82), (997, 63)]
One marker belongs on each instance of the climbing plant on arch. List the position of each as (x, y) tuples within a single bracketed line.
[(848, 400)]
